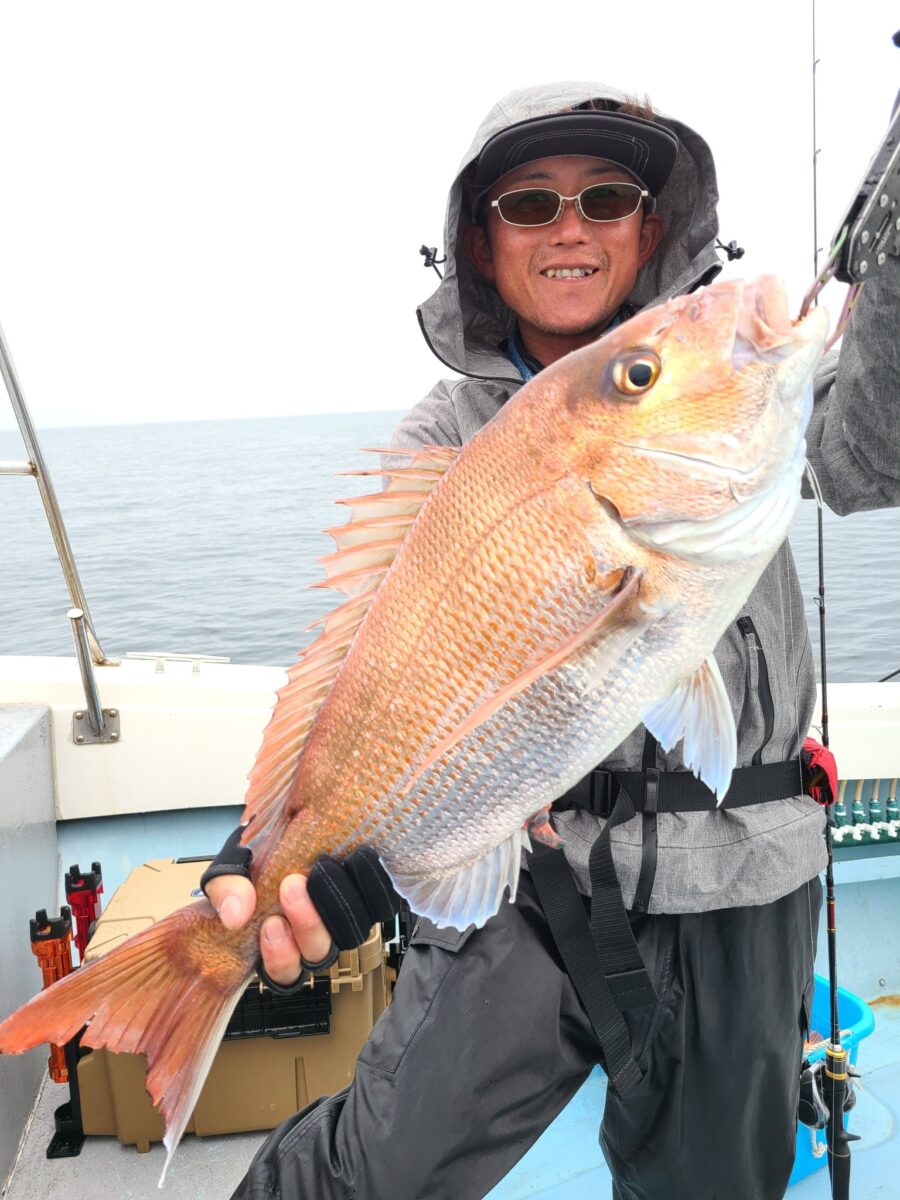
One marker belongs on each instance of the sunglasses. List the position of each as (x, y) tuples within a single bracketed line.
[(543, 206)]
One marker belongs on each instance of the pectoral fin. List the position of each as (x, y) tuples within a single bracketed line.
[(471, 896), (699, 711)]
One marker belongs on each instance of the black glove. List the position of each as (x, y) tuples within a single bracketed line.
[(232, 859), (350, 895)]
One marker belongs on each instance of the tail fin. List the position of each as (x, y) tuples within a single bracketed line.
[(168, 993)]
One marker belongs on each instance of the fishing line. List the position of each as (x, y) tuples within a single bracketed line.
[(799, 743), (811, 296), (815, 156), (828, 273), (836, 1065)]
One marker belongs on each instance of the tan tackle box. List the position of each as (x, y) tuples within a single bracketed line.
[(265, 1070)]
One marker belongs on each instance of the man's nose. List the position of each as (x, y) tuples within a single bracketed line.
[(569, 225)]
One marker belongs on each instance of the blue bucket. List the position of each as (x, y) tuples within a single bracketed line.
[(859, 1020)]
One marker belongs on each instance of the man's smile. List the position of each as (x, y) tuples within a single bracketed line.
[(568, 272)]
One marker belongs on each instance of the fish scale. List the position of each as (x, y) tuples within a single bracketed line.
[(470, 680)]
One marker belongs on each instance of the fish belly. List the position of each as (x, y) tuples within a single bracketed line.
[(546, 739)]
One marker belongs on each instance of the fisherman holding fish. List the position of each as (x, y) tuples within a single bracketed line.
[(574, 209), (608, 529)]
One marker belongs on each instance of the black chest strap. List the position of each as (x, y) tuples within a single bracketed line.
[(681, 791), (601, 957)]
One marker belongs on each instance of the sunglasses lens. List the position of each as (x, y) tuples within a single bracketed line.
[(610, 201), (529, 207)]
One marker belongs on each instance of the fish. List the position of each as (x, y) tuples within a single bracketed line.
[(511, 611)]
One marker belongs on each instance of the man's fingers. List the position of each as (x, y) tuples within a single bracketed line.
[(282, 940), (233, 898), (280, 954), (311, 936)]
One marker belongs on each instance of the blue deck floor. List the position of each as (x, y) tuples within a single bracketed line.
[(566, 1163)]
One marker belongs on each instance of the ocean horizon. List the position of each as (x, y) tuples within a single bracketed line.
[(201, 537)]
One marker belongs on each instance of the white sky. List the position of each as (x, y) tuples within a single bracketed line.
[(214, 209)]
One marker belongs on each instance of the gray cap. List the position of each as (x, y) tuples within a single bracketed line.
[(642, 147)]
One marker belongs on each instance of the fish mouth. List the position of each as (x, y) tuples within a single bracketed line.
[(764, 320)]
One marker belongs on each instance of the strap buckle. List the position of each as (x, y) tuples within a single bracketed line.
[(604, 791), (596, 793)]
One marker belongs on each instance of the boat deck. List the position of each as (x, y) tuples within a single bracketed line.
[(564, 1164)]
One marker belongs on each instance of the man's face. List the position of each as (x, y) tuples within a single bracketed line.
[(560, 314)]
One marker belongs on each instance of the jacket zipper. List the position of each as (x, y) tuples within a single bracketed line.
[(748, 629)]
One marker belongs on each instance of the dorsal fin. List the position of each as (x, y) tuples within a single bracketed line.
[(367, 545)]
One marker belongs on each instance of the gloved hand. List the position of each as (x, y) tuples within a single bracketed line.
[(334, 911)]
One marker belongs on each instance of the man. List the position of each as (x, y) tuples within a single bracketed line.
[(573, 209)]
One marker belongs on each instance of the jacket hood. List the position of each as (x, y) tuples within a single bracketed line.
[(464, 320)]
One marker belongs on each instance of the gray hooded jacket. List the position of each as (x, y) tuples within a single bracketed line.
[(751, 855)]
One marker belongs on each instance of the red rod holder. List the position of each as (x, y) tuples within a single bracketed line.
[(83, 894), (51, 943)]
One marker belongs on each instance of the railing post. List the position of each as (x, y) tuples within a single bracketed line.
[(48, 497)]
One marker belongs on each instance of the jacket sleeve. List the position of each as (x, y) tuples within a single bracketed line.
[(432, 422), (452, 412), (853, 441)]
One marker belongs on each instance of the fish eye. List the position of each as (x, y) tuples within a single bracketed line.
[(636, 373)]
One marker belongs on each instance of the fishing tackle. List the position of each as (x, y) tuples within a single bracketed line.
[(868, 233), (51, 944), (83, 891), (870, 229), (836, 1074)]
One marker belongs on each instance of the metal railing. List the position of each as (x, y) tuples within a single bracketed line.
[(37, 467), (101, 725)]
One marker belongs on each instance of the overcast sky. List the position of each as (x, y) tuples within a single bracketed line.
[(214, 209)]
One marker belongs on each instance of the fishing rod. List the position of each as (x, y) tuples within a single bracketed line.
[(868, 233), (834, 1093), (870, 229)]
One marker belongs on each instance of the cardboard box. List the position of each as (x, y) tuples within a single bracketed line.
[(259, 1077)]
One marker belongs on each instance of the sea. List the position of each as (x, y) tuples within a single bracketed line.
[(202, 537)]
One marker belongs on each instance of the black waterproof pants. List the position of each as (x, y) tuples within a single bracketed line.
[(485, 1042)]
